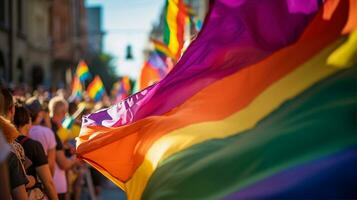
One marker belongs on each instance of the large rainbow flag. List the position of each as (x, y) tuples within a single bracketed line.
[(176, 19), (82, 71), (261, 105), (96, 89)]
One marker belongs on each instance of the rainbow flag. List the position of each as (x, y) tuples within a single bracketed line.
[(176, 19), (76, 89), (162, 49), (96, 89), (153, 71), (122, 89), (126, 84), (250, 111), (82, 71)]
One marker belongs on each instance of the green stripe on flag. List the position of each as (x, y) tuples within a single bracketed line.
[(166, 25), (318, 122)]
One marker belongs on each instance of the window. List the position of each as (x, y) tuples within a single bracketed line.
[(19, 16), (3, 12)]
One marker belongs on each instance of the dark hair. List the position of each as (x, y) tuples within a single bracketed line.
[(34, 107), (2, 112), (72, 108), (8, 99), (22, 116)]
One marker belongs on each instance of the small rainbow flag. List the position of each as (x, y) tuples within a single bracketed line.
[(122, 89), (162, 49), (76, 88), (96, 89), (153, 71), (82, 71), (126, 84), (176, 19)]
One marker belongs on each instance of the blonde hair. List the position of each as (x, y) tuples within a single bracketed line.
[(9, 130), (56, 103)]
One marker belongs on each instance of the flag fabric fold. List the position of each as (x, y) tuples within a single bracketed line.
[(206, 62), (252, 101)]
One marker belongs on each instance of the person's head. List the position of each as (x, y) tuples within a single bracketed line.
[(9, 130), (9, 108), (22, 119), (35, 109), (58, 107)]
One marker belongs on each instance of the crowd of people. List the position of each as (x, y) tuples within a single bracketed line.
[(37, 146)]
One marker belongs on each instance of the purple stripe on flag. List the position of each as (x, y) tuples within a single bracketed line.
[(322, 178), (236, 34)]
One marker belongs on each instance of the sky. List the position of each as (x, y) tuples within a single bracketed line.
[(127, 22)]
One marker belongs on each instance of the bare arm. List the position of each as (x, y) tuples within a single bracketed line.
[(44, 173), (51, 157), (31, 182), (63, 162), (19, 193), (4, 186)]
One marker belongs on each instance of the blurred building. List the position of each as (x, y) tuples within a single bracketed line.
[(24, 41), (94, 29), (41, 41), (68, 38)]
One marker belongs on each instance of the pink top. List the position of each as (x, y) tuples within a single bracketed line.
[(43, 135)]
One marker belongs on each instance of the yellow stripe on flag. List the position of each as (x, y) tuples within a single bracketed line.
[(288, 87), (172, 12)]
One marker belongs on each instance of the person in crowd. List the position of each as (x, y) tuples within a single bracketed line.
[(34, 151), (4, 152), (4, 176), (17, 175), (46, 114), (16, 161), (9, 112), (41, 133), (58, 108), (9, 108)]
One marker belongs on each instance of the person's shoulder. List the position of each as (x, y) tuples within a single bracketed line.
[(41, 131), (31, 144), (41, 128), (34, 142)]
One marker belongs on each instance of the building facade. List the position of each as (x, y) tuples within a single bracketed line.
[(68, 38), (24, 42), (94, 29), (41, 41)]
